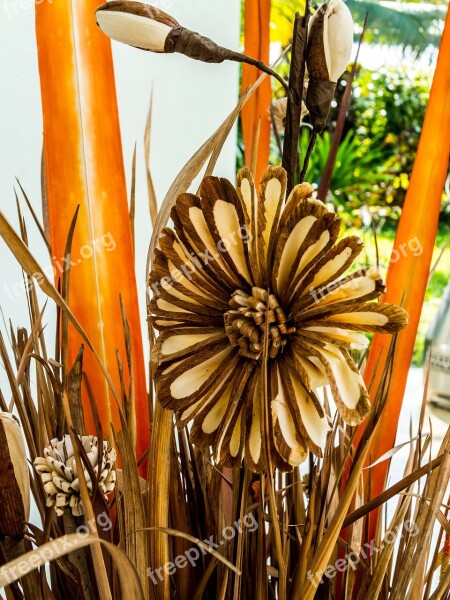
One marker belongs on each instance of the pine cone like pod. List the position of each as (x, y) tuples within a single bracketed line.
[(14, 479), (58, 472)]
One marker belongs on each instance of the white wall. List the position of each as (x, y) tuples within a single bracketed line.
[(190, 99)]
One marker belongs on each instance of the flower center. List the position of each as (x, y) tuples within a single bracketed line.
[(252, 318)]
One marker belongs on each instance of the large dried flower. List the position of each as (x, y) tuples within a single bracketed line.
[(14, 479), (58, 471), (255, 315)]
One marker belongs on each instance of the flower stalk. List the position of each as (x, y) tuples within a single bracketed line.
[(290, 160)]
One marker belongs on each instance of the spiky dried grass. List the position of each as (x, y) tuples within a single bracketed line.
[(302, 521)]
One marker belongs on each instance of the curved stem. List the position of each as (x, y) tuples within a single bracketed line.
[(312, 143), (264, 68)]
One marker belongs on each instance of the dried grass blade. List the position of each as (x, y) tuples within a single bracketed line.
[(129, 581), (152, 201), (32, 268), (133, 507)]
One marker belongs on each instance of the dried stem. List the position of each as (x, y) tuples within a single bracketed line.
[(294, 106)]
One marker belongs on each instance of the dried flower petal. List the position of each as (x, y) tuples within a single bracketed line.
[(14, 479), (245, 280), (59, 476)]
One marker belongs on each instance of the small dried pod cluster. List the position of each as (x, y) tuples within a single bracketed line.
[(59, 475), (330, 40), (14, 479)]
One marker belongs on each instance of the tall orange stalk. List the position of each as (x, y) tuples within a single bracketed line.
[(256, 113), (408, 274), (84, 166)]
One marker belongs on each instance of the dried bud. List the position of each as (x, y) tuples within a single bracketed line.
[(14, 479), (148, 28), (58, 472), (136, 24), (330, 40), (279, 112)]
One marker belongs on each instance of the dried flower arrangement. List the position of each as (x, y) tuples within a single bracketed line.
[(256, 482)]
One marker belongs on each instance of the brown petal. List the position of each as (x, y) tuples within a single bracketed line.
[(190, 271), (224, 215), (271, 195), (318, 241), (246, 191), (181, 342), (296, 221), (187, 381), (375, 317), (355, 288), (287, 439), (312, 424), (221, 423), (349, 391), (331, 266), (199, 236), (256, 442)]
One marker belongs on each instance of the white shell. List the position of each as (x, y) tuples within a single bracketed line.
[(140, 32), (337, 36)]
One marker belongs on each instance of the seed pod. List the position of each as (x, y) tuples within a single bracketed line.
[(328, 52), (58, 472), (148, 28), (14, 479), (136, 24)]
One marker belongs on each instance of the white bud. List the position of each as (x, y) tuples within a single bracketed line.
[(136, 24), (337, 36)]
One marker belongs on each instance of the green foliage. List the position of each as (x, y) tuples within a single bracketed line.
[(402, 24), (359, 174), (390, 105)]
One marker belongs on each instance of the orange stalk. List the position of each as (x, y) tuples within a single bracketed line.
[(257, 109), (408, 274), (84, 166)]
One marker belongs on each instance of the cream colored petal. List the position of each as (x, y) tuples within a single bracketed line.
[(375, 317), (193, 378), (356, 341), (348, 381), (293, 245), (175, 342), (282, 416), (316, 427), (229, 229)]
